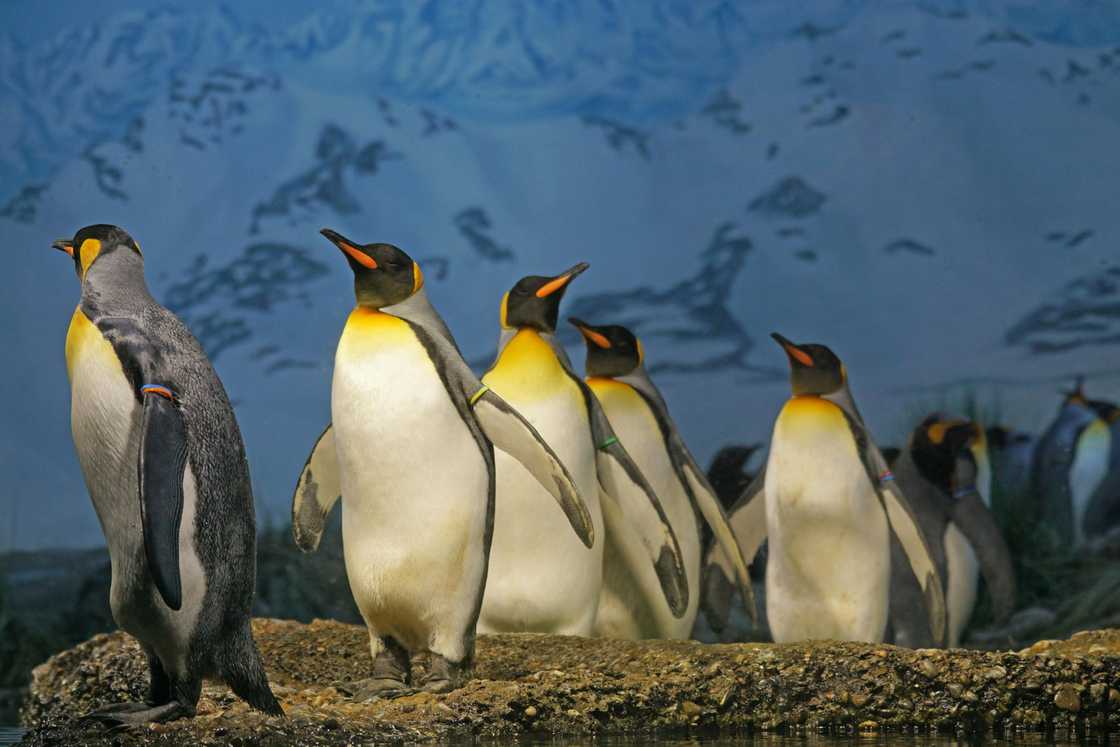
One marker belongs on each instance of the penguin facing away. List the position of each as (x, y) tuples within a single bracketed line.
[(165, 467), (1103, 512), (540, 579), (410, 452), (1069, 464), (631, 605), (829, 507), (939, 471)]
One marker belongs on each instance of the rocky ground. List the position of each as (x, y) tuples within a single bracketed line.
[(533, 684)]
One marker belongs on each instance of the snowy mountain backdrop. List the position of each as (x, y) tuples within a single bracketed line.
[(928, 187)]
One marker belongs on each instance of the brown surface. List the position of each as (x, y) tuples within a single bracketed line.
[(575, 686)]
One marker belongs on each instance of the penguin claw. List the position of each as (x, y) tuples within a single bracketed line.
[(121, 716), (376, 687)]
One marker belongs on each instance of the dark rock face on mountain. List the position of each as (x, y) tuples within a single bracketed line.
[(217, 300), (323, 186), (692, 317), (1085, 312), (552, 685), (792, 197)]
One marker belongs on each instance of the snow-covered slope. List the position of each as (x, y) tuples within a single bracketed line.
[(927, 188)]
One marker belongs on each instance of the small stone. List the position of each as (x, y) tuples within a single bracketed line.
[(955, 689), (572, 713), (690, 709), (995, 673), (969, 696), (860, 699), (1067, 699), (1114, 697), (928, 668), (531, 712), (868, 726)]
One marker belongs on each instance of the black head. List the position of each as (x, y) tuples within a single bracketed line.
[(535, 300), (1106, 411), (813, 369), (612, 350), (96, 241), (998, 437), (383, 274), (937, 445), (1076, 395)]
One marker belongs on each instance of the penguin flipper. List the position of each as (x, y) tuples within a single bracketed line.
[(704, 497), (513, 434), (163, 464), (638, 506), (900, 516), (747, 518), (624, 485), (978, 526), (318, 489)]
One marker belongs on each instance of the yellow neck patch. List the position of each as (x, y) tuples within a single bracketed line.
[(528, 366), (88, 252), (502, 315), (417, 277)]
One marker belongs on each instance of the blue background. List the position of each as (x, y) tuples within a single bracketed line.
[(927, 187)]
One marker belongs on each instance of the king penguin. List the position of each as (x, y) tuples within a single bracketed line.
[(410, 451), (541, 580), (828, 504), (940, 472), (632, 605), (1103, 512), (1069, 463), (165, 467)]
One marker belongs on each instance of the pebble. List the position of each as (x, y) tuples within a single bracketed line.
[(531, 712), (1067, 698)]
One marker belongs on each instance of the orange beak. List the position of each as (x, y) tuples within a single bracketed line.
[(795, 353), (589, 334), (560, 281), (349, 248)]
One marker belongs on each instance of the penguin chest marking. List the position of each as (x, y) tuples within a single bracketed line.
[(963, 569), (106, 420), (541, 578), (1090, 465), (829, 566), (414, 483), (637, 428)]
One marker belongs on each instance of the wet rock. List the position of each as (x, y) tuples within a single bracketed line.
[(553, 685), (1067, 698)]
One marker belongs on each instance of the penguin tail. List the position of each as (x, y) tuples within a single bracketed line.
[(243, 671)]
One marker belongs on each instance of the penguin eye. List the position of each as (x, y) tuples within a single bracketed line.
[(395, 264)]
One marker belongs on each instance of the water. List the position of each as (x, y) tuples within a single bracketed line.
[(10, 734)]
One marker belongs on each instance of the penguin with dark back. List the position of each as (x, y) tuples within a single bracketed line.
[(165, 466)]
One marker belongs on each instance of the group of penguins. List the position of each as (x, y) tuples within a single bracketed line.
[(530, 499)]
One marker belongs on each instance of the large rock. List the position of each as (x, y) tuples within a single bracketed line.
[(574, 686)]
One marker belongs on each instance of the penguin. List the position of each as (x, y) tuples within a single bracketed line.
[(1103, 513), (410, 452), (540, 579), (939, 472), (631, 606), (727, 472), (1068, 466), (1011, 453), (165, 467), (830, 508)]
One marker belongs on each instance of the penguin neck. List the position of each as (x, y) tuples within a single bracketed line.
[(531, 348), (114, 285)]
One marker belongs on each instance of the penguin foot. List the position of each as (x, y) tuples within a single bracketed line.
[(108, 711), (376, 687), (132, 714), (443, 676)]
